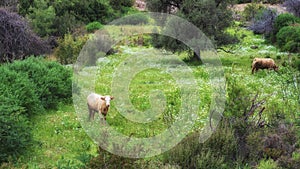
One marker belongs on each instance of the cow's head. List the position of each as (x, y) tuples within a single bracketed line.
[(107, 100)]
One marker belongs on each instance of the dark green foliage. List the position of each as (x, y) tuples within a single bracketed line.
[(119, 4), (283, 20), (93, 26), (15, 133), (24, 6), (288, 39), (26, 87), (42, 18), (56, 18), (17, 101), (20, 90), (52, 81)]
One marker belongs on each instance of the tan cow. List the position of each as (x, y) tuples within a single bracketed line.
[(263, 63), (98, 103)]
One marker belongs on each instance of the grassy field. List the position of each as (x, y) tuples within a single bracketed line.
[(61, 142)]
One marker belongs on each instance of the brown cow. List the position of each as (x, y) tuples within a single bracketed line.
[(263, 63), (98, 103)]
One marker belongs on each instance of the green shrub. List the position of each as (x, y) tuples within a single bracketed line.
[(20, 89), (267, 164), (15, 133), (283, 20), (252, 10), (93, 26), (288, 39), (52, 81), (69, 48)]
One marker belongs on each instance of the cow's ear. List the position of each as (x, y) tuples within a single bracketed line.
[(112, 97), (102, 98)]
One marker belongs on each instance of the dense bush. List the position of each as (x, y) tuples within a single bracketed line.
[(17, 41), (288, 39), (252, 10), (26, 87), (283, 20), (15, 133), (17, 101), (52, 81), (264, 22), (69, 48), (293, 6), (20, 89), (42, 18), (93, 26), (56, 18)]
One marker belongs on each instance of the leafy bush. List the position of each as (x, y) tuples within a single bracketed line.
[(251, 11), (20, 89), (267, 164), (42, 18), (288, 39), (264, 22), (15, 133), (69, 48), (283, 20), (17, 41), (293, 6), (52, 81), (93, 26)]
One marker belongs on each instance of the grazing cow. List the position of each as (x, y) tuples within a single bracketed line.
[(98, 103), (263, 63)]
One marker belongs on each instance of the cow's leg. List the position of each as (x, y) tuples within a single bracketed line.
[(253, 69), (91, 113)]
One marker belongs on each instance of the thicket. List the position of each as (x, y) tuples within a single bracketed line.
[(293, 6), (69, 48), (57, 18), (213, 27), (52, 81), (28, 87), (281, 30), (288, 39), (17, 41)]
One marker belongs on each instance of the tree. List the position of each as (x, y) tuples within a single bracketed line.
[(264, 23), (211, 17), (17, 41), (293, 6), (42, 18)]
